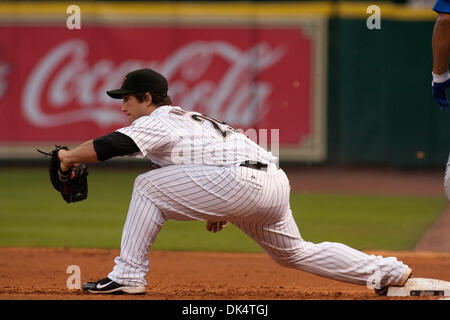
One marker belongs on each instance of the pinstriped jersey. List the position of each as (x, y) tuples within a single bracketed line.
[(171, 135)]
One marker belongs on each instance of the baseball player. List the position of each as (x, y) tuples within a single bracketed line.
[(440, 73), (212, 172)]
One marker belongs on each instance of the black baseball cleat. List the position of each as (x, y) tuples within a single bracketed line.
[(107, 286)]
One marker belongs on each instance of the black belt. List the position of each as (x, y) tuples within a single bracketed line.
[(254, 165)]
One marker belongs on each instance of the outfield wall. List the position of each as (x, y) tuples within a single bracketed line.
[(336, 91), (380, 106)]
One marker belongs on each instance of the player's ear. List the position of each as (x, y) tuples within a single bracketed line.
[(148, 98)]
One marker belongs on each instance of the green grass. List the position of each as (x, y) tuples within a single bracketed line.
[(33, 214), (366, 222)]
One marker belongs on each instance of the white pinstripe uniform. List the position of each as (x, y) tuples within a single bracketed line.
[(200, 179)]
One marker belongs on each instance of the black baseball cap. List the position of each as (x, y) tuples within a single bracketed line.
[(142, 80)]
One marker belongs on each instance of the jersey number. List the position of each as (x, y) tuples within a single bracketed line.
[(215, 123)]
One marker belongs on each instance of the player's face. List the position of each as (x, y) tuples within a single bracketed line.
[(133, 108)]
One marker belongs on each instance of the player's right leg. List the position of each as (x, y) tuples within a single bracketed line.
[(190, 192), (143, 223)]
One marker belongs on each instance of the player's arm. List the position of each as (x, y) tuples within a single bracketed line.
[(441, 43), (441, 54), (83, 153), (103, 148)]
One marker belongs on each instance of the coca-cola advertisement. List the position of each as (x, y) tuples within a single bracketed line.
[(53, 81)]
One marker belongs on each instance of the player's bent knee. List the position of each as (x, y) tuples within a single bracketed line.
[(141, 180)]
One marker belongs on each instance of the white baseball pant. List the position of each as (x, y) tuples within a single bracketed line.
[(255, 201)]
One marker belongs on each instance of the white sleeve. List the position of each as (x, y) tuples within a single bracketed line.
[(149, 134), (447, 179)]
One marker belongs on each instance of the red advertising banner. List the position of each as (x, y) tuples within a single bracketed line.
[(53, 80)]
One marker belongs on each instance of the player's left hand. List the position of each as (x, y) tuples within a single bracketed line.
[(215, 226), (71, 182), (438, 89), (64, 167)]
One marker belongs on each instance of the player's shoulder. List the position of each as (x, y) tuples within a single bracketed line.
[(166, 111), (156, 116)]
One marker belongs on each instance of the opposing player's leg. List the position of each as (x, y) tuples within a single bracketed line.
[(447, 179)]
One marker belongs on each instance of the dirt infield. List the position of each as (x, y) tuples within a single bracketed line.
[(40, 273)]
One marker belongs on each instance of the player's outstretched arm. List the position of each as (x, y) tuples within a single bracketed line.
[(103, 148), (85, 152)]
